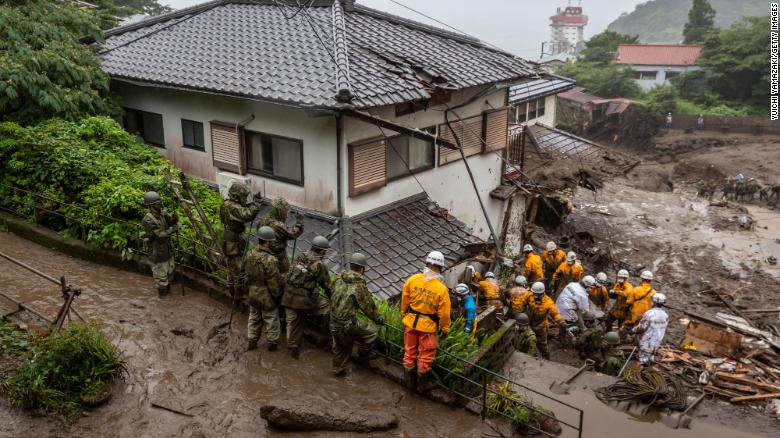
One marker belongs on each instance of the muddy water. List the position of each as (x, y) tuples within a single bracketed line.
[(200, 368)]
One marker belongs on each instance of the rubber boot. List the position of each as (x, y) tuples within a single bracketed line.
[(410, 378), (425, 383), (273, 346), (295, 353), (162, 291), (252, 345)]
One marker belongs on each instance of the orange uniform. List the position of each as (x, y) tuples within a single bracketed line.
[(533, 267), (490, 289), (599, 295), (538, 312), (640, 300), (516, 296), (620, 310), (568, 273), (425, 306), (552, 259)]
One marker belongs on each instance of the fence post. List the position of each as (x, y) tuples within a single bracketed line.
[(484, 396)]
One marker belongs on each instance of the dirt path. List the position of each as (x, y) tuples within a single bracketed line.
[(177, 356)]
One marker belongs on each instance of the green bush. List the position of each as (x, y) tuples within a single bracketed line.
[(100, 168), (57, 371)]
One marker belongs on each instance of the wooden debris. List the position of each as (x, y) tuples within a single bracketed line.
[(742, 380), (755, 397), (741, 388)]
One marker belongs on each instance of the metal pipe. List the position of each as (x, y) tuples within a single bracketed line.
[(29, 268), (25, 307), (339, 169)]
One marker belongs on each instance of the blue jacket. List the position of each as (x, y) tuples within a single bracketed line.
[(471, 312)]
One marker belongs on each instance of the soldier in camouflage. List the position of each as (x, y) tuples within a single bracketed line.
[(265, 288), (235, 212), (588, 345), (302, 295), (350, 296), (158, 227), (276, 219), (614, 359), (525, 339)]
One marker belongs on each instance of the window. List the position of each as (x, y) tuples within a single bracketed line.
[(671, 74), (275, 157), (404, 150), (192, 134), (534, 108), (645, 75), (146, 125)]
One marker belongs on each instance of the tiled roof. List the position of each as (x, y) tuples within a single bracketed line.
[(657, 54), (578, 94), (529, 89), (264, 50)]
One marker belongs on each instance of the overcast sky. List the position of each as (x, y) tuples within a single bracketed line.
[(518, 26)]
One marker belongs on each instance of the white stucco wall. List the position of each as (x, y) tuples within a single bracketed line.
[(660, 77), (319, 191), (448, 185)]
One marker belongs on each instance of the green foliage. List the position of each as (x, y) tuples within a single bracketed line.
[(661, 99), (61, 368), (124, 8), (601, 48), (662, 21), (701, 22), (45, 71), (13, 340), (502, 399), (603, 80), (93, 176)]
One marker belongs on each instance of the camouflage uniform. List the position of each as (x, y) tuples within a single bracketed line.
[(265, 282), (235, 213), (280, 209), (614, 359), (302, 294), (350, 295), (158, 230), (525, 341), (588, 345)]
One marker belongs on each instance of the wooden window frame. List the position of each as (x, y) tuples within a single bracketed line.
[(353, 191), (486, 149), (230, 167), (389, 150), (203, 134), (444, 126), (259, 172)]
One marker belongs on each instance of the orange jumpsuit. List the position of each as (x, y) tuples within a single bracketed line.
[(533, 268), (538, 313), (425, 306), (566, 273), (551, 261), (515, 296), (599, 295), (640, 300), (620, 309), (491, 292)]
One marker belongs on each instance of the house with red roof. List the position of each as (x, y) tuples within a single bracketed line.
[(657, 64)]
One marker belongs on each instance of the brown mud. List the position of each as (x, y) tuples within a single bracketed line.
[(181, 356)]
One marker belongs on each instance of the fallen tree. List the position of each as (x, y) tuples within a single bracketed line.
[(310, 416)]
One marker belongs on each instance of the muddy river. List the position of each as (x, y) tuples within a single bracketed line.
[(179, 357)]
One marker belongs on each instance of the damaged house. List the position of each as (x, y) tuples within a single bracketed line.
[(352, 114)]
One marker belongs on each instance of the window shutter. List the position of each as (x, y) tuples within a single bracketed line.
[(226, 147), (469, 131), (367, 167), (496, 129)]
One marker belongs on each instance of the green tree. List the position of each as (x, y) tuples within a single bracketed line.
[(45, 71), (701, 22), (124, 8), (601, 48), (602, 80), (661, 99)]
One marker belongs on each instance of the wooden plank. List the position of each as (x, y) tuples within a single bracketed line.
[(736, 387), (761, 385), (755, 397)]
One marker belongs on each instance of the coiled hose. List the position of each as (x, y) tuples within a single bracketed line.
[(654, 387)]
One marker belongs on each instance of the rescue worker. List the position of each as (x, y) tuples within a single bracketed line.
[(517, 295), (533, 267), (277, 219), (350, 296), (425, 308), (567, 272), (302, 292), (573, 302), (598, 293), (668, 121), (539, 308), (639, 301), (614, 359), (620, 292), (525, 339), (552, 257), (158, 227), (265, 289), (234, 213), (588, 344), (491, 291), (469, 306), (652, 326)]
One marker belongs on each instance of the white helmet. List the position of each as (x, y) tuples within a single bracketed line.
[(571, 256), (646, 275), (489, 274), (537, 288), (601, 278), (521, 280), (461, 289), (659, 298), (527, 247), (622, 273), (588, 281), (551, 246), (435, 258)]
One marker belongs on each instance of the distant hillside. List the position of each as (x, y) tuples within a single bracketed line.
[(662, 21)]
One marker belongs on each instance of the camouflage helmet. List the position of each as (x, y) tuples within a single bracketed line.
[(612, 338), (522, 318), (589, 316), (358, 259), (266, 234), (280, 208), (320, 242), (151, 198), (238, 192)]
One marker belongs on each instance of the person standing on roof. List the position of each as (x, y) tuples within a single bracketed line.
[(652, 326), (573, 302), (640, 301), (276, 219), (567, 272), (425, 308), (468, 305), (517, 295), (533, 267), (158, 227), (540, 308), (234, 213), (620, 292), (265, 290), (552, 257), (598, 293), (491, 291)]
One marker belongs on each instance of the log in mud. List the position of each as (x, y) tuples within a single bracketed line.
[(307, 415)]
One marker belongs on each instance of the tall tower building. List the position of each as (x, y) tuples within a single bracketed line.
[(567, 28)]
